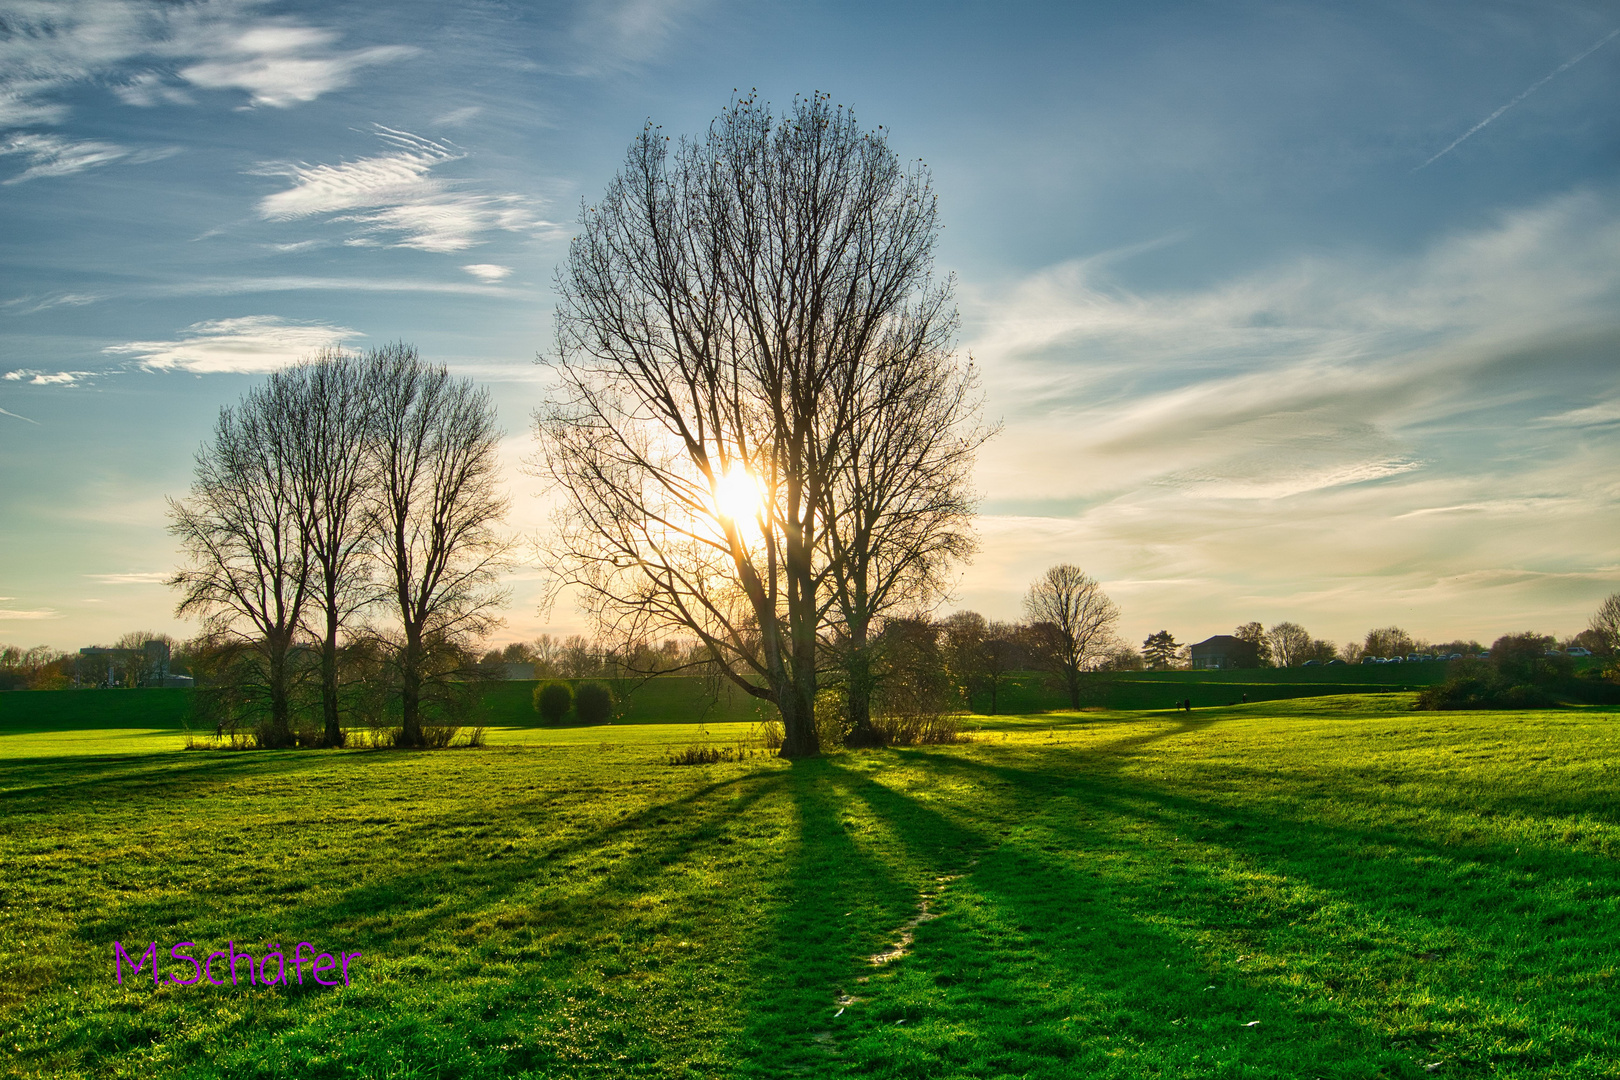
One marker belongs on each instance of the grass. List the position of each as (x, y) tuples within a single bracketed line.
[(1110, 894)]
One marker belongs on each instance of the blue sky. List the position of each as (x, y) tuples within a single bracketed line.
[(1267, 340)]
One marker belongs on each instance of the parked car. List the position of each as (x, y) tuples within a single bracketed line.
[(1311, 663), (1335, 662), (1577, 651)]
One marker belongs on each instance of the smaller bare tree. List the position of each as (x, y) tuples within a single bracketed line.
[(436, 511), (1071, 624), (1605, 625), (328, 404), (1290, 644), (248, 559)]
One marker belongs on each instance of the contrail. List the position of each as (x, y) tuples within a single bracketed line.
[(8, 412), (1537, 85)]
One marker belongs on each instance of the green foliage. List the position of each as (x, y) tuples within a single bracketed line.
[(593, 703), (552, 700), (1118, 896)]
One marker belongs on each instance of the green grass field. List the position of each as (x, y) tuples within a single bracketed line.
[(1331, 887)]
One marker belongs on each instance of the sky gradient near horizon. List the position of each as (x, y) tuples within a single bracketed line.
[(1289, 310)]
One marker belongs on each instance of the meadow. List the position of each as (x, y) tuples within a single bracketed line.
[(1330, 886)]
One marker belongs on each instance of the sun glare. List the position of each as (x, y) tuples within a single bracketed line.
[(737, 494)]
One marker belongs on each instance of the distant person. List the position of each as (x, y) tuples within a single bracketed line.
[(1186, 705), (1245, 699)]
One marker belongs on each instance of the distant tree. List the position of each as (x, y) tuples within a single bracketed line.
[(1159, 650), (1289, 644), (436, 513), (1605, 625), (1590, 640), (1388, 641), (1521, 659), (1071, 624), (962, 637), (1006, 650), (1320, 650), (1259, 652), (1351, 652), (249, 561), (552, 701), (1122, 658)]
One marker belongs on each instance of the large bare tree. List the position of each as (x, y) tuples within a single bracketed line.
[(1071, 624), (717, 318), (248, 556), (435, 514)]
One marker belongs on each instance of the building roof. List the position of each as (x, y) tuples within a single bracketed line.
[(1221, 641)]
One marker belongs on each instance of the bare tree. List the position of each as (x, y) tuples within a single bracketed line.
[(1253, 635), (1290, 644), (435, 514), (329, 406), (248, 558), (1388, 641), (1071, 623), (718, 321), (1605, 625), (901, 505)]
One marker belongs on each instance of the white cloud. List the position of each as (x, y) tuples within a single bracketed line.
[(487, 271), (250, 344), (42, 613), (32, 377), (395, 200), (156, 577), (150, 52), (281, 63)]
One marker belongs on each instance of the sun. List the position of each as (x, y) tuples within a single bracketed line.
[(737, 495)]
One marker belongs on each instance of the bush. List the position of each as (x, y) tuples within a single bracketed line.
[(552, 701), (593, 703)]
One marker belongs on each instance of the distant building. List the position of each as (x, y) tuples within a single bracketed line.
[(147, 666), (1224, 651), (519, 671)]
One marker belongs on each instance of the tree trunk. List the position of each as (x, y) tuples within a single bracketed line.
[(332, 734), (858, 671), (280, 703), (410, 695), (1073, 679)]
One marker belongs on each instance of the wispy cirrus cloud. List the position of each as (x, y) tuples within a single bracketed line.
[(245, 345), (395, 200), (1331, 441), (153, 577), (52, 155)]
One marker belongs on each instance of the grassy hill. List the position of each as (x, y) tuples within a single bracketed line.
[(1324, 887)]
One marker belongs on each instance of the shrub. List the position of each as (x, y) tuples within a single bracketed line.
[(708, 755), (593, 703), (552, 701)]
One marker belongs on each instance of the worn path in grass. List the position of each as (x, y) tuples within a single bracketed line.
[(1334, 887)]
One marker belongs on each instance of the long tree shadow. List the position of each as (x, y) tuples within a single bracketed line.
[(1269, 884)]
